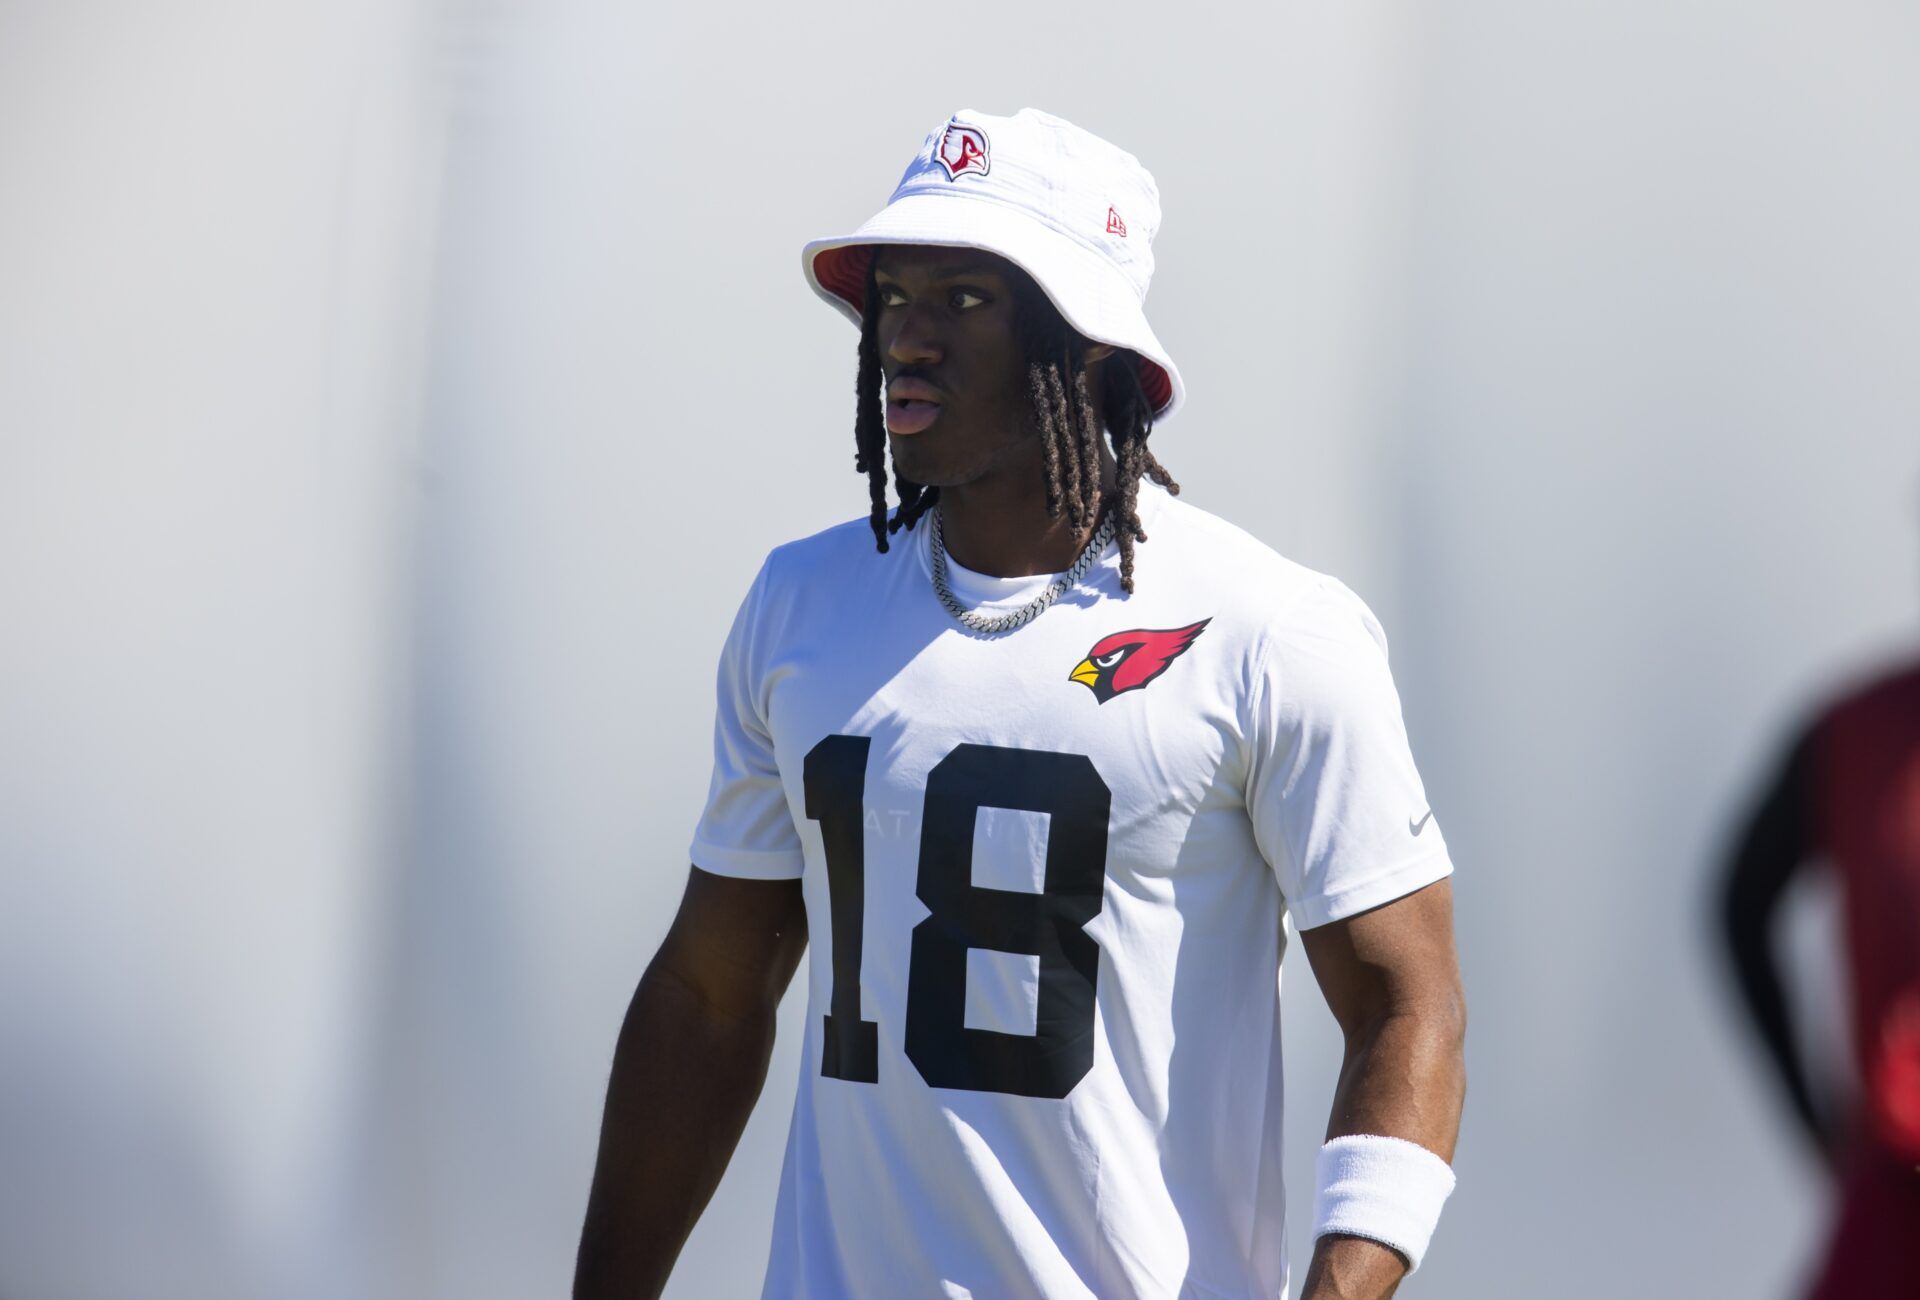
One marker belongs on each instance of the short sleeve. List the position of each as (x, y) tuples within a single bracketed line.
[(747, 827), (1337, 806)]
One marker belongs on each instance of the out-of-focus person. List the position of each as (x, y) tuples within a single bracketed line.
[(1845, 797)]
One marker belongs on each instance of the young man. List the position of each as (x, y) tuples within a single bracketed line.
[(1037, 761), (1847, 794)]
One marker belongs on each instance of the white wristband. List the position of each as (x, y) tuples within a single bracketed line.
[(1385, 1189)]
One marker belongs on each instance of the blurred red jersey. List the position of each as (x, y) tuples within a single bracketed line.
[(1866, 776), (1866, 805)]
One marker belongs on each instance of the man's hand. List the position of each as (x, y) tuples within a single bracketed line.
[(688, 1067), (1392, 980)]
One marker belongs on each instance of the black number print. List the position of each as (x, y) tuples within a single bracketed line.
[(1050, 925), (835, 777)]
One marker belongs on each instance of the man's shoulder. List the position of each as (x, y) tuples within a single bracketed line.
[(832, 547), (1273, 590), (826, 558)]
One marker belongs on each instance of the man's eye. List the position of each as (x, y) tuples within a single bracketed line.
[(963, 299), (889, 296)]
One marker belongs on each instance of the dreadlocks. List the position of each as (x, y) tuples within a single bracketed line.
[(1064, 410)]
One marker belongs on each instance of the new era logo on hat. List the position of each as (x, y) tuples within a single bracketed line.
[(1045, 195)]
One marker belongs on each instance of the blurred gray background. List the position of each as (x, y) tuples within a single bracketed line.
[(396, 397)]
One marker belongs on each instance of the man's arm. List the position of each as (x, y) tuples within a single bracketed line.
[(1392, 980), (1774, 842), (688, 1067)]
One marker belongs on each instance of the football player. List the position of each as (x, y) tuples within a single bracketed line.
[(1037, 758), (1847, 794)]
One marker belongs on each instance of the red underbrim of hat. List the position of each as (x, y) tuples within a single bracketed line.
[(842, 272)]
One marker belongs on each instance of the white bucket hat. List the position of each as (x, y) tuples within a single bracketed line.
[(1072, 211)]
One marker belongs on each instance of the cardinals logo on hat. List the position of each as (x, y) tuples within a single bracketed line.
[(963, 149), (1127, 661)]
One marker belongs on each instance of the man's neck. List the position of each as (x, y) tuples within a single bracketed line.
[(999, 525)]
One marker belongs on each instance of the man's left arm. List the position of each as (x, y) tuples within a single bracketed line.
[(1392, 980)]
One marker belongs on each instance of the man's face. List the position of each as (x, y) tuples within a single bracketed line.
[(955, 376)]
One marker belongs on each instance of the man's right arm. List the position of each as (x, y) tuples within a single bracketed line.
[(690, 1061)]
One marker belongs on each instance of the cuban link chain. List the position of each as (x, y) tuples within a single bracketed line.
[(1033, 608)]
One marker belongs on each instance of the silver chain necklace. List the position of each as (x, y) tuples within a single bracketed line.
[(1027, 612)]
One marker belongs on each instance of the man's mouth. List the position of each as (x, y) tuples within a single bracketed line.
[(912, 406)]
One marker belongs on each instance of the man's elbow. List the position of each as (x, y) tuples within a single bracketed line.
[(721, 1006), (1449, 1018), (1440, 1024), (1432, 1026), (1439, 1028), (1435, 1009)]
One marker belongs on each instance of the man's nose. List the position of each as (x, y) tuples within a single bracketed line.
[(914, 340)]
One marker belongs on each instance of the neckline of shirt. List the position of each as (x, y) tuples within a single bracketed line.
[(986, 591)]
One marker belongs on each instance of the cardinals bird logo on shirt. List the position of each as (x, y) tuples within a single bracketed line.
[(1127, 661)]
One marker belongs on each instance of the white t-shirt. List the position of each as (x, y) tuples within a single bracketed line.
[(1045, 873)]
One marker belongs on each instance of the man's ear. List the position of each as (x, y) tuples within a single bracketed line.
[(1099, 351)]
